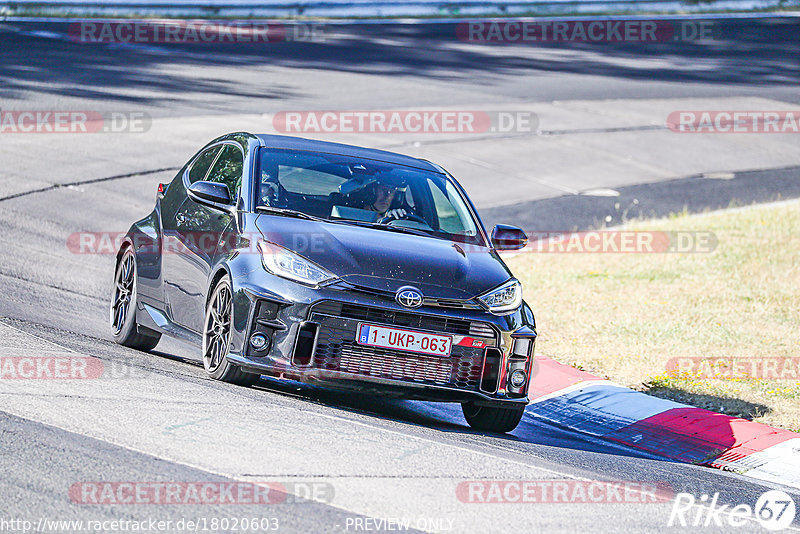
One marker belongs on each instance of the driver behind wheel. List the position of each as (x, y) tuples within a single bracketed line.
[(387, 197)]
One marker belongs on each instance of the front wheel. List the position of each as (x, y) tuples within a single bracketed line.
[(123, 308), (492, 418), (217, 338)]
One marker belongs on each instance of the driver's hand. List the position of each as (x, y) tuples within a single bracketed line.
[(398, 213)]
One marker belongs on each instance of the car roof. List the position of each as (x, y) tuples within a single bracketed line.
[(312, 145)]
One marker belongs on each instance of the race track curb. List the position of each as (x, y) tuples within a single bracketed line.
[(580, 401)]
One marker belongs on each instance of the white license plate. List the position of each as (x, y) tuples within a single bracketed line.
[(401, 339)]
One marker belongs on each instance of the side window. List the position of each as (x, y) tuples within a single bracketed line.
[(228, 169), (201, 164)]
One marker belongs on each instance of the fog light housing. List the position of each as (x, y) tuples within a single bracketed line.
[(259, 341), (518, 378), (522, 347)]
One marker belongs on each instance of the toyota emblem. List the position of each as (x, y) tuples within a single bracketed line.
[(408, 296)]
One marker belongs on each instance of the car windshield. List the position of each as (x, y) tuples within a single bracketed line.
[(365, 192)]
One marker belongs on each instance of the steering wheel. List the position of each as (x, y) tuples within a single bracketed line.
[(407, 217)]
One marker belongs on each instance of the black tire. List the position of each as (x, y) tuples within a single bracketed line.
[(492, 418), (122, 312), (217, 337)]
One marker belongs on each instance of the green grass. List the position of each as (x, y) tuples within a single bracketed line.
[(625, 315)]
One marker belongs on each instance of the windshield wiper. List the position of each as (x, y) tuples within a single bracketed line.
[(401, 229), (287, 213)]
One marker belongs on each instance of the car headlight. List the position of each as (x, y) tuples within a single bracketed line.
[(507, 297), (283, 262)]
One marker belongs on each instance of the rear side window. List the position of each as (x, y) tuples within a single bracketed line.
[(228, 169), (201, 164)]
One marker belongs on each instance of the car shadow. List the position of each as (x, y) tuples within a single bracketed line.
[(175, 358), (447, 418)]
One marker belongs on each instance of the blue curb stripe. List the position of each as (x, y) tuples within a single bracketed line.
[(600, 409)]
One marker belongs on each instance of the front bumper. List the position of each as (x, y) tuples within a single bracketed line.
[(312, 332)]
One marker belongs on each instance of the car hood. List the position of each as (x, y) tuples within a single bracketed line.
[(385, 261)]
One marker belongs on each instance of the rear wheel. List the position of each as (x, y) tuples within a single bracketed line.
[(217, 338), (491, 418), (123, 308)]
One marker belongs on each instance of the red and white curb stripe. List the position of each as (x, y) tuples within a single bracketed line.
[(580, 401)]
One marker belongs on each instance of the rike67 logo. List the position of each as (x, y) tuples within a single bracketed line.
[(774, 510)]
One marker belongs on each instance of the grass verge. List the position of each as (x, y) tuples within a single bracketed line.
[(628, 317)]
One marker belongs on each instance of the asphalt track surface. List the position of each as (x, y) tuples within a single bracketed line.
[(159, 418)]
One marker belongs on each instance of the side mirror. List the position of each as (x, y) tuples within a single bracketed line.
[(505, 237), (212, 194)]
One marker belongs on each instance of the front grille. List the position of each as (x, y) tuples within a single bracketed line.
[(432, 323), (337, 351), (452, 303), (480, 330), (354, 361), (460, 304)]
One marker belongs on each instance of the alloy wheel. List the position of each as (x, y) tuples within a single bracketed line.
[(123, 293), (217, 328)]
